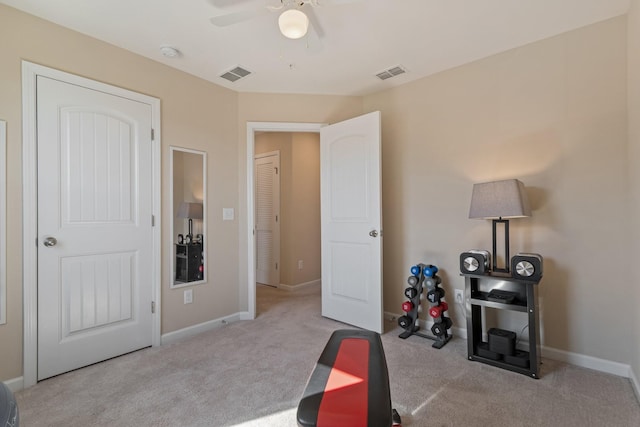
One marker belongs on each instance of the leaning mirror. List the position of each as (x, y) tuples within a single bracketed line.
[(189, 208)]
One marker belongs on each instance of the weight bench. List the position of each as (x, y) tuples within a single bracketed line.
[(349, 385), (9, 416)]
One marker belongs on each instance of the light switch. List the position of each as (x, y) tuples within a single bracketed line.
[(227, 214)]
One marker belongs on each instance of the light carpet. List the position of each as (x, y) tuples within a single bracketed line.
[(253, 373)]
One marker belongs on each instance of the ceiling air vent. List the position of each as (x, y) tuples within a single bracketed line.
[(391, 72), (235, 74)]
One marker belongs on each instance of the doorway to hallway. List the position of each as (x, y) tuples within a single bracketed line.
[(294, 248)]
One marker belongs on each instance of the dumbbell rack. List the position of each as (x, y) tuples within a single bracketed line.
[(425, 277)]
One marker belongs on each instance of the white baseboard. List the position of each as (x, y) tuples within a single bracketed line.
[(576, 359), (585, 361), (316, 282), (244, 315), (202, 327), (15, 384)]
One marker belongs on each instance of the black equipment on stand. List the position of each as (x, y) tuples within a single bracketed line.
[(189, 262)]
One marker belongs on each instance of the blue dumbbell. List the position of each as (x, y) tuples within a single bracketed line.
[(430, 270), (415, 270)]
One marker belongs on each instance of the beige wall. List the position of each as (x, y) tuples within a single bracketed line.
[(305, 209), (633, 50), (299, 202), (195, 114), (553, 114)]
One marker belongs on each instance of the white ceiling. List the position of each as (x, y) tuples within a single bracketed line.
[(357, 39)]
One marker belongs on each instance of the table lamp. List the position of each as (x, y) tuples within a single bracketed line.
[(191, 211), (499, 201)]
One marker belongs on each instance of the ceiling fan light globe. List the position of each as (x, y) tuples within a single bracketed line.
[(293, 23)]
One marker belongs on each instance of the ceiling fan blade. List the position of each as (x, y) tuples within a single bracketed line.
[(312, 39), (314, 24), (226, 3), (236, 17), (339, 2)]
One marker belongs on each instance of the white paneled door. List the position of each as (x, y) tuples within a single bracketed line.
[(95, 238), (267, 217), (351, 221)]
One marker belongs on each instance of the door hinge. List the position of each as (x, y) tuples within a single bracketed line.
[(153, 307), (276, 171), (276, 265), (276, 218), (153, 134), (153, 220)]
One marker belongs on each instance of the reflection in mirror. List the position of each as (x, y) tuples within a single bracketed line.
[(3, 226), (188, 225)]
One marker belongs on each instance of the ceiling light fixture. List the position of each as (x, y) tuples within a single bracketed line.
[(169, 52), (293, 23)]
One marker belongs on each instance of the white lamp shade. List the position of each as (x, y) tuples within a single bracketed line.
[(499, 199), (293, 23)]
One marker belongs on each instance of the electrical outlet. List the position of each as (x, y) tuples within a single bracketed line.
[(459, 296), (300, 264), (188, 296)]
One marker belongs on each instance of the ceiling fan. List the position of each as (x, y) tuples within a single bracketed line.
[(293, 21)]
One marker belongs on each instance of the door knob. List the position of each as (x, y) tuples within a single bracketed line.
[(373, 233), (50, 241)]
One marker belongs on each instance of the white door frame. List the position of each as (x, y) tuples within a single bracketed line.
[(30, 206), (253, 127)]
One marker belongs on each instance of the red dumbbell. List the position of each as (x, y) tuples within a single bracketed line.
[(407, 306), (436, 311), (444, 306)]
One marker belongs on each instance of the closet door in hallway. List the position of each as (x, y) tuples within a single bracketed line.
[(267, 217)]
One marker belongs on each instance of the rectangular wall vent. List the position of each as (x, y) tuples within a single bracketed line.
[(391, 72), (236, 74)]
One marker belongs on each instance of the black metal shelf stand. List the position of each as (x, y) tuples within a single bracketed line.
[(477, 289), (188, 262)]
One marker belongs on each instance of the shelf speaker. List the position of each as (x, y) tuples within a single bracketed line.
[(527, 266), (475, 262)]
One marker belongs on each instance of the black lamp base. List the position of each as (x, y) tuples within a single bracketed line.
[(495, 267)]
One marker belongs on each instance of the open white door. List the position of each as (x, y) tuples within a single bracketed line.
[(351, 219)]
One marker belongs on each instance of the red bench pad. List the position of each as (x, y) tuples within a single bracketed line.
[(349, 385)]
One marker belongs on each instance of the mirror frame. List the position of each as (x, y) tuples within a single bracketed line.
[(3, 222), (173, 239)]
